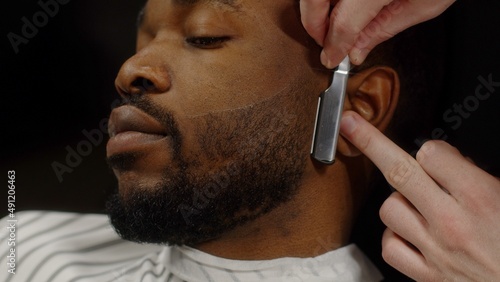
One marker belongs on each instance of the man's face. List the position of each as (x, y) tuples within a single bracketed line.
[(219, 105)]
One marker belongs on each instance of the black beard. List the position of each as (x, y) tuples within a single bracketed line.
[(255, 161)]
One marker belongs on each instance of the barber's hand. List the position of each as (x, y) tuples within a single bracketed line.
[(444, 220), (355, 27)]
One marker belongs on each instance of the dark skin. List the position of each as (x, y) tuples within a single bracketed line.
[(257, 55)]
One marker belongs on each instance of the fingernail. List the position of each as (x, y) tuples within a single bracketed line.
[(325, 61), (358, 55), (362, 55), (347, 124), (354, 55)]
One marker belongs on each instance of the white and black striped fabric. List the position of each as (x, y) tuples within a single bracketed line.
[(71, 247)]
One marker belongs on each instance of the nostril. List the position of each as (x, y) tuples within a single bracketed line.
[(142, 85)]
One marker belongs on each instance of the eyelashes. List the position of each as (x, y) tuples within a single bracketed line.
[(207, 42)]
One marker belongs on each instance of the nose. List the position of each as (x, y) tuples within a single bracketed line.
[(143, 73)]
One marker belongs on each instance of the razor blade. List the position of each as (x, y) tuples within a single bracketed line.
[(328, 115)]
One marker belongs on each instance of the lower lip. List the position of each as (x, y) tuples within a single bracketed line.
[(132, 141)]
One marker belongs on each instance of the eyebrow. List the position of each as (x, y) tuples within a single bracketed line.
[(228, 3)]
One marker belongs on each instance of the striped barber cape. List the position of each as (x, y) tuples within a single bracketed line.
[(52, 246)]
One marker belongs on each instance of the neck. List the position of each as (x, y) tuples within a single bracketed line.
[(317, 220)]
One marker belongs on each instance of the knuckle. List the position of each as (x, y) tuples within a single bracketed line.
[(480, 202), (385, 212), (364, 141), (387, 209), (343, 26), (435, 10), (454, 232), (430, 151), (384, 35), (390, 252), (310, 24), (310, 27), (401, 172), (429, 9), (427, 149)]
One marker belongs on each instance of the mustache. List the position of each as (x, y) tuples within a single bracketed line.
[(161, 114)]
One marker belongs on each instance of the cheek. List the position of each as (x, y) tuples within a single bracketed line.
[(230, 79), (224, 88)]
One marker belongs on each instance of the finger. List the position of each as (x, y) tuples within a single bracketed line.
[(398, 167), (404, 257), (392, 19), (448, 167), (348, 19), (399, 215), (314, 16), (470, 160)]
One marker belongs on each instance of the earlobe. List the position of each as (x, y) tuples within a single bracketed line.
[(373, 93)]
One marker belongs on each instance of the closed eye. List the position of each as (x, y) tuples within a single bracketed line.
[(207, 42)]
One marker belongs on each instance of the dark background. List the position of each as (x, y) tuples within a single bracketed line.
[(61, 83)]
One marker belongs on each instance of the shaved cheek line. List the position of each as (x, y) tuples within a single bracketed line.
[(262, 101)]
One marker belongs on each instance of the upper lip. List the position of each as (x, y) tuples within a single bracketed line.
[(129, 118)]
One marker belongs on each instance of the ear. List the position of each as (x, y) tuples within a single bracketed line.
[(373, 93)]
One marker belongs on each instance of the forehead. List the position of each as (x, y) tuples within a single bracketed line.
[(232, 5), (193, 2)]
